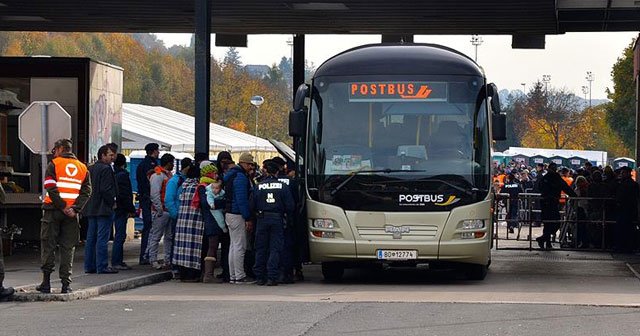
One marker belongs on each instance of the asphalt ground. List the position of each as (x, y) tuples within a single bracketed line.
[(525, 293)]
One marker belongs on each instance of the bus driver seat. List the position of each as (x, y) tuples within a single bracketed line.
[(447, 142)]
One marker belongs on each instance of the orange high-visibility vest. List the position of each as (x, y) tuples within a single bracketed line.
[(70, 173), (568, 181)]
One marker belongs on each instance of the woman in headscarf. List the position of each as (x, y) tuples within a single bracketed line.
[(212, 229), (187, 249)]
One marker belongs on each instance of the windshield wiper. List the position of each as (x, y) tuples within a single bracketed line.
[(461, 189), (355, 173)]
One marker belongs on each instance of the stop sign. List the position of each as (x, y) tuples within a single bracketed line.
[(41, 124)]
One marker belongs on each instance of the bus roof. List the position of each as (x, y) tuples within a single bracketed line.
[(399, 59)]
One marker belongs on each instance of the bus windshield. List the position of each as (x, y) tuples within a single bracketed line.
[(386, 134)]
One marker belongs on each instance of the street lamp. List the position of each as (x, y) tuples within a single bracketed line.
[(257, 101), (585, 90), (590, 79), (476, 40), (524, 88), (546, 79)]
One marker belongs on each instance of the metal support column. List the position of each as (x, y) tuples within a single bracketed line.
[(636, 77), (298, 62), (203, 74)]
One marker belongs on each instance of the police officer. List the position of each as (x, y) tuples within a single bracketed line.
[(513, 188), (289, 255), (550, 186), (272, 202), (68, 186)]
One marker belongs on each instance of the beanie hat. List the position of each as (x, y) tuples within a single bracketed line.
[(246, 158)]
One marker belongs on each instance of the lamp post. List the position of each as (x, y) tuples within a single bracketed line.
[(524, 88), (590, 79), (476, 40), (257, 101), (585, 90), (546, 79)]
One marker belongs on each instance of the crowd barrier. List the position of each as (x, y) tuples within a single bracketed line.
[(585, 222)]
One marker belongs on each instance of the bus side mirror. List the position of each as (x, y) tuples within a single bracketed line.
[(492, 92), (298, 117), (499, 126), (301, 94), (297, 122)]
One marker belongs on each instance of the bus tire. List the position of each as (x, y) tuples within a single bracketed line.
[(476, 271), (332, 271)]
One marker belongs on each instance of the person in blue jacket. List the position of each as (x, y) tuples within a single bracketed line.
[(238, 215)]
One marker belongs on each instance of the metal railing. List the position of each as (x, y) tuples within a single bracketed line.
[(585, 222)]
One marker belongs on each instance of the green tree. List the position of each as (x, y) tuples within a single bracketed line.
[(621, 110)]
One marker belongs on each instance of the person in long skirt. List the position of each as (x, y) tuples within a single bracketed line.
[(187, 249)]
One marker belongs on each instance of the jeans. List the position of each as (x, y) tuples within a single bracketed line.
[(96, 252), (120, 223), (145, 205), (161, 227), (269, 241), (238, 247)]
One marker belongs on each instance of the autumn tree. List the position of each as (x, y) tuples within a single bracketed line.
[(621, 110), (549, 117)]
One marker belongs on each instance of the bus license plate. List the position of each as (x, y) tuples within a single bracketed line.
[(397, 254)]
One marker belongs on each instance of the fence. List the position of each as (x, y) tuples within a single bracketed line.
[(585, 222)]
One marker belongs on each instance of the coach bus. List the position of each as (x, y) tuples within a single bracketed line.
[(395, 158)]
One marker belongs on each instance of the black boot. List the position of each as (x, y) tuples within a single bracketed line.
[(66, 288), (45, 286), (5, 292)]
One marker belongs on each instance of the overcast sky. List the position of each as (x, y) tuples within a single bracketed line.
[(566, 58)]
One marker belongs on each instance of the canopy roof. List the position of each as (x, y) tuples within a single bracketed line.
[(326, 16)]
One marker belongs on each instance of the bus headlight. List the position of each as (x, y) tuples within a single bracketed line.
[(472, 224), (323, 223)]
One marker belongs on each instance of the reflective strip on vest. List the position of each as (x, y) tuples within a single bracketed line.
[(69, 185)]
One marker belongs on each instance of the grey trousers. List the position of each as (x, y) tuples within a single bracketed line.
[(161, 227), (238, 247)]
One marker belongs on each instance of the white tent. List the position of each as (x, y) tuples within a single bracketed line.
[(599, 157), (173, 130)]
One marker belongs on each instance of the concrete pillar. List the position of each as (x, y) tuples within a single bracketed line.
[(202, 74)]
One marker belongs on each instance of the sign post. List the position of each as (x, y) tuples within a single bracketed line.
[(40, 125)]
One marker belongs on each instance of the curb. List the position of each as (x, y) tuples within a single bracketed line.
[(28, 293)]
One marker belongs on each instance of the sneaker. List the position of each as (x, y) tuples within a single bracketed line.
[(261, 282), (231, 281), (156, 265), (245, 281), (511, 230), (122, 267)]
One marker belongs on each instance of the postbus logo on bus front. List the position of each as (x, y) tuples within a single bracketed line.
[(397, 91), (424, 199)]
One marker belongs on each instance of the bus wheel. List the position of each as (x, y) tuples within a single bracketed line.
[(332, 271), (476, 272)]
